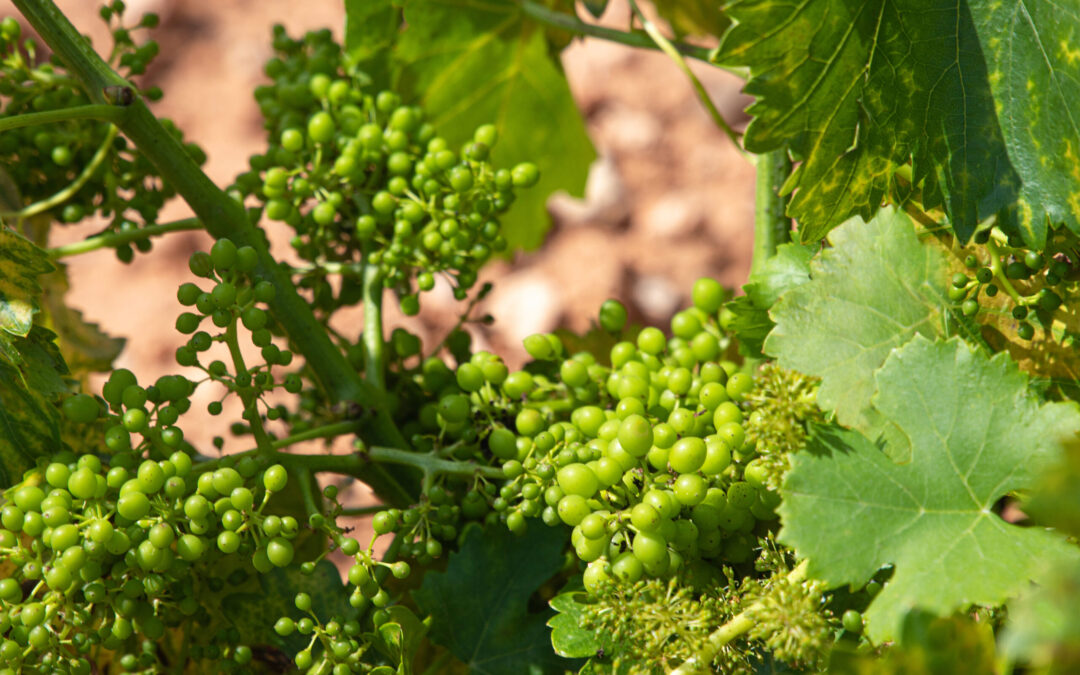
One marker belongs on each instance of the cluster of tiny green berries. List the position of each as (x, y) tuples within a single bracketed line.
[(1036, 281), (106, 556), (363, 178), (42, 162), (236, 298)]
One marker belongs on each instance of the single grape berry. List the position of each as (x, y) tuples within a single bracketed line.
[(612, 316), (80, 408)]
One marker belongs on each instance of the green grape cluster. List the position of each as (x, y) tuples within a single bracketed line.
[(1036, 282), (109, 555), (647, 459), (363, 179), (236, 299), (72, 169)]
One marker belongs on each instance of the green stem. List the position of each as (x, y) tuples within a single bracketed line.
[(73, 187), (247, 392), (738, 625), (373, 327), (100, 112), (112, 239), (362, 510), (303, 474), (999, 271), (772, 227), (572, 24), (430, 464), (327, 431), (668, 48)]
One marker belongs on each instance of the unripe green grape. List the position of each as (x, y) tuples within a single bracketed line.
[(685, 325), (538, 347), (503, 443), (689, 489), (578, 479), (279, 551), (284, 626), (707, 295), (612, 316), (525, 174), (687, 454), (852, 621), (82, 483), (593, 526), (572, 509), (383, 522), (133, 506), (228, 542), (518, 384), (649, 548), (1025, 330), (739, 385), (80, 408), (292, 140), (635, 435), (321, 127), (644, 517)]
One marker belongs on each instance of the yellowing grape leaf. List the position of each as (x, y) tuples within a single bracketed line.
[(21, 262), (976, 435), (979, 95), (30, 380)]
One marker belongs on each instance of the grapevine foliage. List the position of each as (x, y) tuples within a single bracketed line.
[(867, 463), (859, 90)]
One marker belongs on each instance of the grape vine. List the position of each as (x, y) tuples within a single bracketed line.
[(866, 463)]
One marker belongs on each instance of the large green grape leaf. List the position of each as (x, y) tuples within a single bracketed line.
[(1031, 48), (875, 288), (479, 605), (976, 434), (856, 89), (473, 62), (750, 322)]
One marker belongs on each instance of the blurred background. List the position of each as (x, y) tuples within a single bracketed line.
[(668, 200)]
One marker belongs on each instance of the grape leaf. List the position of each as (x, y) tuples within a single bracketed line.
[(858, 89), (1043, 627), (21, 262), (30, 379), (790, 267), (931, 646), (693, 17), (478, 62), (479, 605), (84, 345), (1034, 62), (567, 636), (371, 28), (874, 289), (267, 597), (399, 637), (976, 434)]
